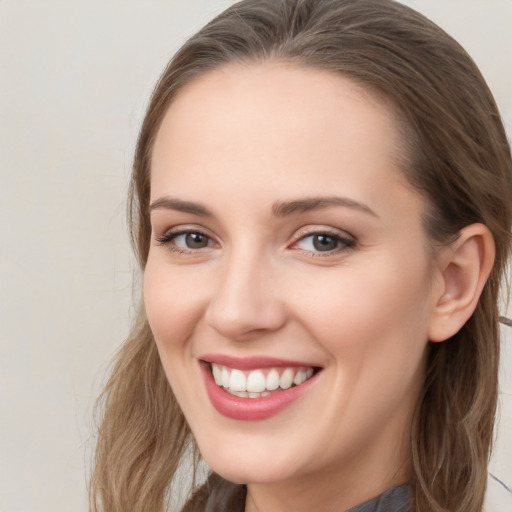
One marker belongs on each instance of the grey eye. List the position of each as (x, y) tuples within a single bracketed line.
[(325, 242), (193, 240), (319, 242)]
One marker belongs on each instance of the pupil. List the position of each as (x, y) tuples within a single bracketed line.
[(324, 243), (196, 240)]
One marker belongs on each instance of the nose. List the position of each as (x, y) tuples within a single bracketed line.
[(246, 302)]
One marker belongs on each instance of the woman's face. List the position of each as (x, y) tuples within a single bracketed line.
[(287, 247)]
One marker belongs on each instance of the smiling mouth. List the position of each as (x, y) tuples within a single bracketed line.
[(259, 383)]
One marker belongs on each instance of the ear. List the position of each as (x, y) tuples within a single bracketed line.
[(462, 269)]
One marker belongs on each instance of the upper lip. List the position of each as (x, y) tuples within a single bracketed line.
[(254, 362)]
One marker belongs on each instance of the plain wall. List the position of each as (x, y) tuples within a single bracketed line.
[(74, 79)]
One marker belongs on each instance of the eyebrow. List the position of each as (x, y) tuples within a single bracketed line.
[(279, 209), (282, 209), (170, 203)]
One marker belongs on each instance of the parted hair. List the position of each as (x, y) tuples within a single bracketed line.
[(457, 158)]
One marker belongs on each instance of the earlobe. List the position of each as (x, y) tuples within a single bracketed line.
[(463, 269)]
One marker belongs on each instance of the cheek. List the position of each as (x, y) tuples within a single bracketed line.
[(368, 311), (373, 325), (173, 308), (172, 302)]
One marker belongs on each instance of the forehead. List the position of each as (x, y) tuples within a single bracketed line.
[(269, 95), (276, 125)]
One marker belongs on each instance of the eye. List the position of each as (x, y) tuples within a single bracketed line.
[(191, 240), (324, 242), (185, 241)]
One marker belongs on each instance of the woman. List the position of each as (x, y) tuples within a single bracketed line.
[(321, 208)]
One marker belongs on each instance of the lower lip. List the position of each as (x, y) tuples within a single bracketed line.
[(252, 409)]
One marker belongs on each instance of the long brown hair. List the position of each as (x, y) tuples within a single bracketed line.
[(458, 159)]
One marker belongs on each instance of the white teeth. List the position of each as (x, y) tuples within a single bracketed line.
[(225, 377), (254, 383), (286, 379), (241, 394), (272, 380), (299, 378), (237, 381), (246, 394), (217, 375)]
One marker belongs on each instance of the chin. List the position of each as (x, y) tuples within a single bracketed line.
[(247, 468), (242, 474)]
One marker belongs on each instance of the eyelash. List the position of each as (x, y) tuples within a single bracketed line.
[(167, 239), (343, 243)]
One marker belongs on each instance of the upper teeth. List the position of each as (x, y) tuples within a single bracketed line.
[(259, 381)]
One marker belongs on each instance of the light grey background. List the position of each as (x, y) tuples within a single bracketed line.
[(74, 79)]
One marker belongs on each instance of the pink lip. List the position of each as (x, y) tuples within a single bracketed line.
[(252, 363), (252, 409)]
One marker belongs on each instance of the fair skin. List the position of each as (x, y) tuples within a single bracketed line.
[(346, 287)]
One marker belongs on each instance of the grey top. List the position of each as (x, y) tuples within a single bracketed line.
[(219, 495), (397, 499)]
